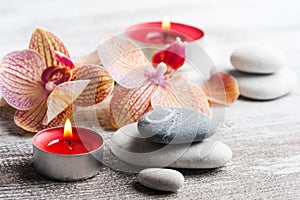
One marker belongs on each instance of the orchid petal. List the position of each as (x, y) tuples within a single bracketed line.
[(201, 99), (173, 56), (164, 97), (222, 89), (100, 86), (122, 58), (189, 95), (62, 97), (45, 43), (20, 79), (2, 101), (64, 60), (32, 120), (91, 58), (135, 78), (128, 105)]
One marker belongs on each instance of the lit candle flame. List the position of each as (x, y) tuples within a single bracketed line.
[(166, 23), (68, 129)]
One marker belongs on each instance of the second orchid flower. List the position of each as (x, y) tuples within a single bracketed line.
[(143, 87)]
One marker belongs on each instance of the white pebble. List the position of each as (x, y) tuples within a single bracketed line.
[(266, 87), (258, 59)]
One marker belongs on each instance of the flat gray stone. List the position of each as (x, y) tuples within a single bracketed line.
[(161, 179), (258, 59), (266, 87), (175, 125), (130, 146)]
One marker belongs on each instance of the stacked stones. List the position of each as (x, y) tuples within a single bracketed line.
[(173, 137), (262, 72)]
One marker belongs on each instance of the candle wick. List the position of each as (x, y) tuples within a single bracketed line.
[(69, 142), (165, 35)]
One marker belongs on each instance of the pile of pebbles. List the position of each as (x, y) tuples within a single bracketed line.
[(262, 72), (169, 137)]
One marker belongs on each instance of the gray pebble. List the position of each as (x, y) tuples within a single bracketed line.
[(130, 146), (161, 179), (175, 125)]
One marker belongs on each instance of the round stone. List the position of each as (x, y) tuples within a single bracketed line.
[(258, 59), (161, 179), (175, 125), (266, 87), (130, 146)]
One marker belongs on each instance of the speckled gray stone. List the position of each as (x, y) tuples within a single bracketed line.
[(161, 179), (266, 87), (258, 59), (130, 146), (175, 125)]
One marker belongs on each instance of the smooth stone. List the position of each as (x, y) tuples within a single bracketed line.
[(175, 125), (258, 59), (266, 87), (161, 179), (130, 146)]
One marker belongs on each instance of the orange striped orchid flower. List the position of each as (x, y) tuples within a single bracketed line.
[(143, 87), (44, 86)]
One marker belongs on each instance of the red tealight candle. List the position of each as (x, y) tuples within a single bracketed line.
[(67, 153), (70, 143), (155, 36), (163, 32)]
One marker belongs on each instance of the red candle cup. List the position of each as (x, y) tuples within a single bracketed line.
[(67, 154), (154, 36)]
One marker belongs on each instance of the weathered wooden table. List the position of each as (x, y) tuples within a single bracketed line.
[(264, 136)]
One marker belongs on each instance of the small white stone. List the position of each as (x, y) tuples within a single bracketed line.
[(130, 146), (266, 87), (258, 59), (161, 179)]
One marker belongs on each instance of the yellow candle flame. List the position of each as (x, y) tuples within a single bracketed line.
[(68, 129), (166, 23)]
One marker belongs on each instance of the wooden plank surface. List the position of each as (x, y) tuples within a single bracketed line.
[(264, 136)]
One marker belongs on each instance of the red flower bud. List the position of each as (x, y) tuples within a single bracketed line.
[(64, 60), (173, 56)]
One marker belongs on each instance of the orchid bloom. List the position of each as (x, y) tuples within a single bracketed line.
[(220, 89), (142, 86), (43, 84)]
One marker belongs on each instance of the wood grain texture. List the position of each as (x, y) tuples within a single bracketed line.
[(264, 136)]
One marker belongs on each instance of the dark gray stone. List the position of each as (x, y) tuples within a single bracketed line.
[(174, 125)]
